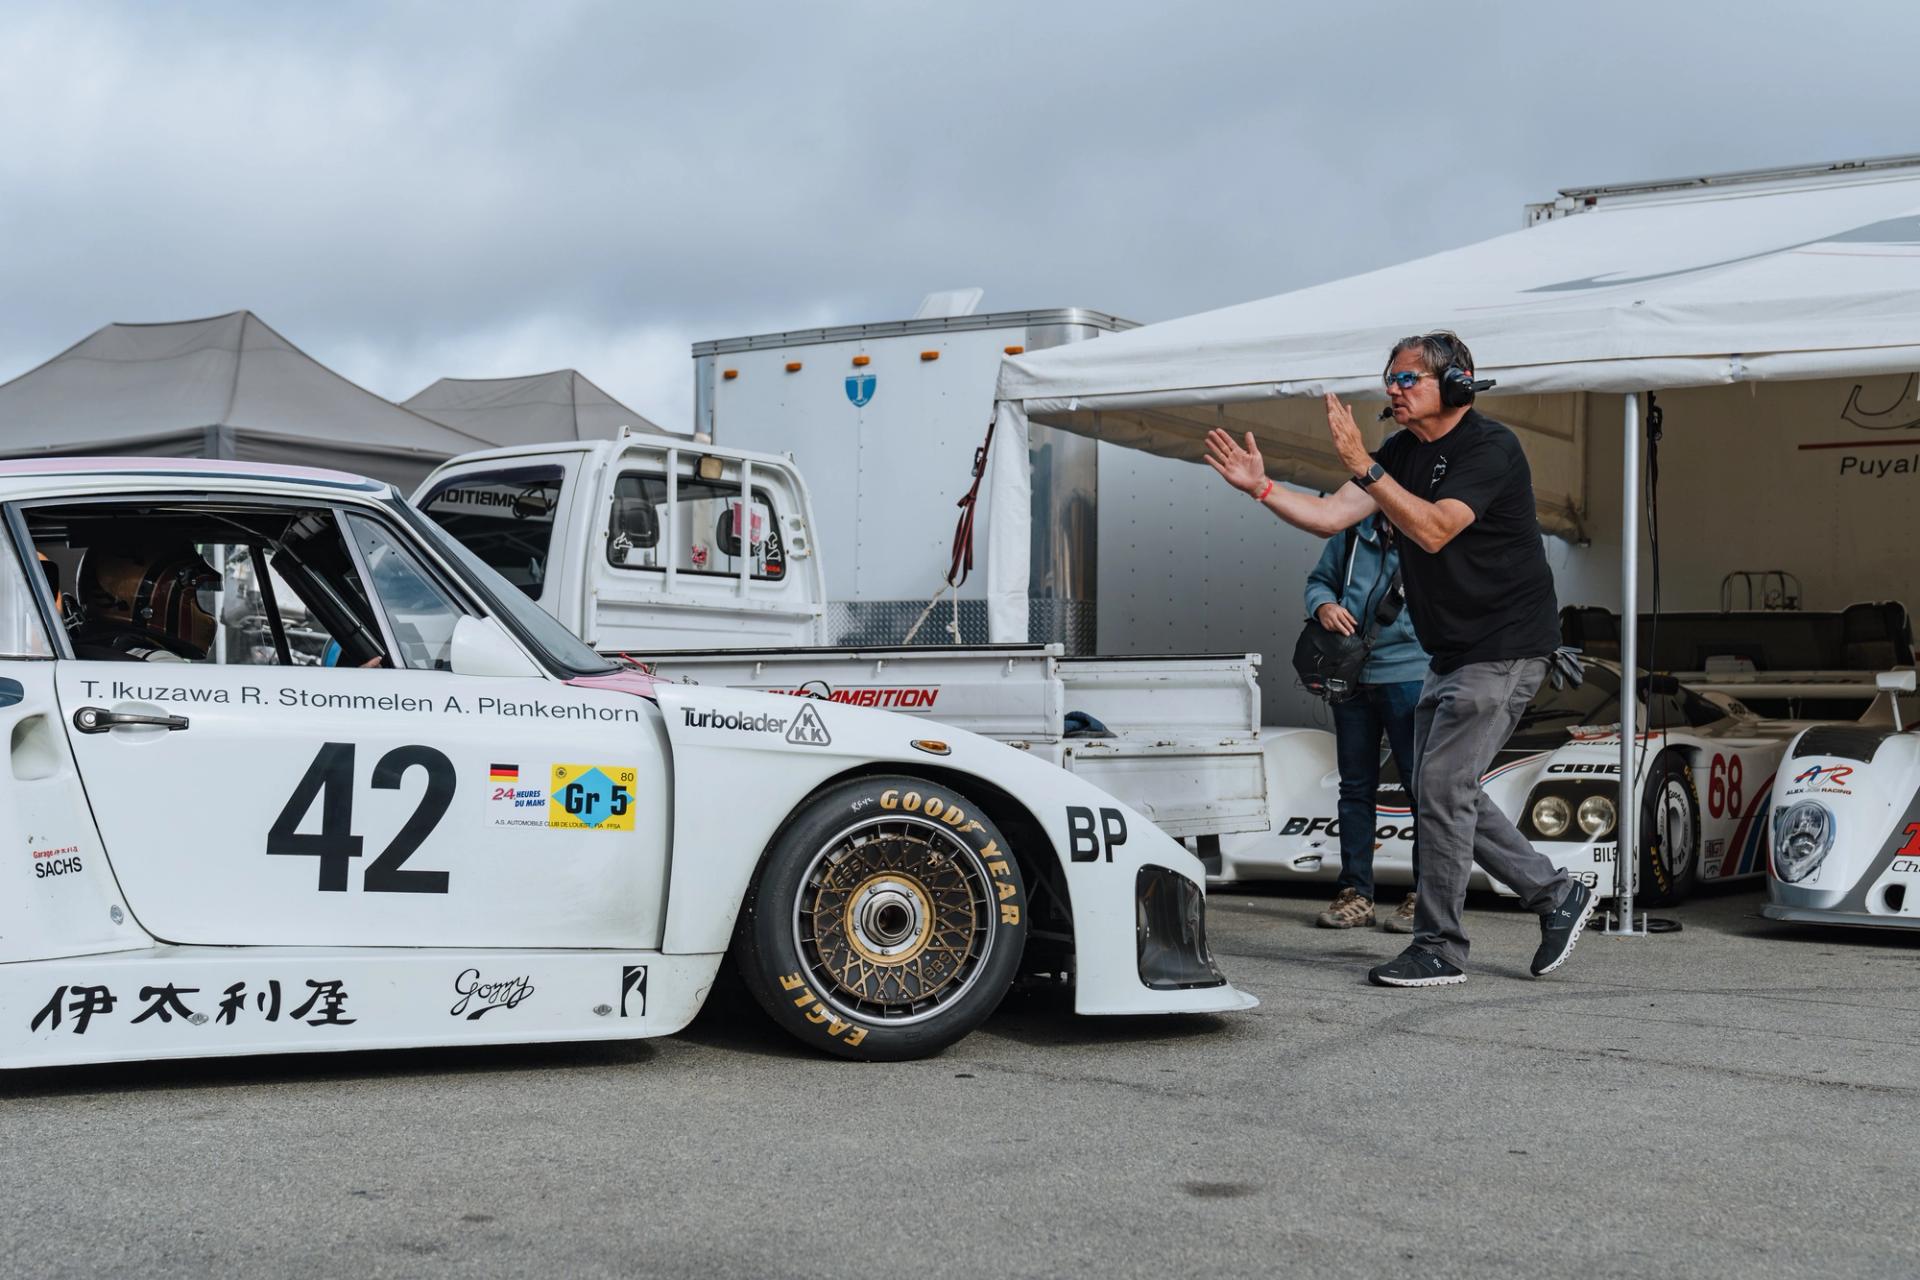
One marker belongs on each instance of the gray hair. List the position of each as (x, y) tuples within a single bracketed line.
[(1437, 350)]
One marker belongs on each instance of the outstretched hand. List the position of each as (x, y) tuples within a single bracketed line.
[(1244, 469), (1347, 440)]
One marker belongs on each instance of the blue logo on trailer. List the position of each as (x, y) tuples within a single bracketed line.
[(859, 389)]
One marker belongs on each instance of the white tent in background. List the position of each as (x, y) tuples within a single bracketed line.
[(562, 405), (1723, 282), (224, 387)]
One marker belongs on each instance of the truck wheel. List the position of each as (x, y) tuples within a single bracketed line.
[(886, 922), (1669, 833)]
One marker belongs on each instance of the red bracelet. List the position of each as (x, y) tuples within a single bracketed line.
[(1262, 495)]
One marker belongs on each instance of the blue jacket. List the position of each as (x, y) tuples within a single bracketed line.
[(1397, 654)]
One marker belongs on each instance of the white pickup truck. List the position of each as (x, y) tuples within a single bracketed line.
[(636, 546)]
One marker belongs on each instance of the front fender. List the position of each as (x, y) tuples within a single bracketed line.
[(743, 761)]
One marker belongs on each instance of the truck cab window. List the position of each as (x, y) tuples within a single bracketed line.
[(503, 517), (708, 526)]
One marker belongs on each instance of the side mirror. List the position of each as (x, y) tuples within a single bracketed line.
[(481, 648), (1895, 681)]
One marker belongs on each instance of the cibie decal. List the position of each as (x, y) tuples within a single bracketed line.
[(860, 388), (633, 991), (809, 730), (477, 997), (591, 797)]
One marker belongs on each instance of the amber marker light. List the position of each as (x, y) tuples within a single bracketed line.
[(932, 746), (729, 374), (929, 355), (861, 362), (793, 366), (1013, 351)]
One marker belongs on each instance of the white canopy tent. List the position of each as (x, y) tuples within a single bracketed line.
[(1735, 279), (561, 405), (223, 387)]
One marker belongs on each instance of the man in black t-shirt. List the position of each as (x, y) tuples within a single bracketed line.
[(1457, 486)]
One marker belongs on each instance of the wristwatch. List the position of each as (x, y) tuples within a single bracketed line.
[(1366, 478)]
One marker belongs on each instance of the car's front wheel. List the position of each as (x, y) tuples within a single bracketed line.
[(1669, 833), (886, 922)]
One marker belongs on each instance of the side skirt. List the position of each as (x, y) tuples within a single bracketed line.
[(190, 1002)]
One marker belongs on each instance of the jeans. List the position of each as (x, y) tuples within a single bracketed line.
[(1463, 718), (1357, 724)]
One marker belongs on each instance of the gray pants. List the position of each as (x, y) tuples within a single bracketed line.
[(1462, 719)]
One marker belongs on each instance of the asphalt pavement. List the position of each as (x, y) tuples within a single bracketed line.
[(1739, 1099)]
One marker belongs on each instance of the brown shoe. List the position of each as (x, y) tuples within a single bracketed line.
[(1349, 911), (1401, 921)]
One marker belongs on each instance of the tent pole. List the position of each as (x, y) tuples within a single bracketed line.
[(1626, 858)]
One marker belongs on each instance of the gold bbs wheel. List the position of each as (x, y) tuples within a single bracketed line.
[(894, 919)]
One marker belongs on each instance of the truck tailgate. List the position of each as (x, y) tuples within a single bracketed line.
[(1187, 788), (1208, 698)]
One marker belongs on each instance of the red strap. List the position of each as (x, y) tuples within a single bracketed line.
[(962, 563)]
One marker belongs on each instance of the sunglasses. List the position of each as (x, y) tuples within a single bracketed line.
[(1403, 379)]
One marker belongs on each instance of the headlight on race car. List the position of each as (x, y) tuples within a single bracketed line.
[(1802, 837), (1551, 816), (1596, 815)]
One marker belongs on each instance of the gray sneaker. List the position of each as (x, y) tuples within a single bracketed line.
[(1560, 929), (1348, 911), (1401, 921)]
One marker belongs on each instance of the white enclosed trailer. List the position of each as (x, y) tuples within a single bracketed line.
[(1120, 551)]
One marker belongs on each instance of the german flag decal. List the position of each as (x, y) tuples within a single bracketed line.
[(503, 773)]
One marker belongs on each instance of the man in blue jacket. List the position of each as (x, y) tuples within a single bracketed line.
[(1355, 583)]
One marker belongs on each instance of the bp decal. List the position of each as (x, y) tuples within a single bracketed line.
[(860, 388)]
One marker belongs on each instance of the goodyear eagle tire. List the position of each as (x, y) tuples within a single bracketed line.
[(1669, 834), (886, 922)]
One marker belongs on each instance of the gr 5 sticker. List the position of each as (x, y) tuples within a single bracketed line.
[(591, 797)]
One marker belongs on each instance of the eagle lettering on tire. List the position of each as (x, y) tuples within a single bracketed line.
[(886, 922)]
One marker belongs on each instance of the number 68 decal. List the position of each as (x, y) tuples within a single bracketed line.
[(329, 779)]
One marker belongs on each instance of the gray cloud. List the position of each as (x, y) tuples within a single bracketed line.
[(416, 190)]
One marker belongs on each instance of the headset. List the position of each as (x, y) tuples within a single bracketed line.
[(1458, 386)]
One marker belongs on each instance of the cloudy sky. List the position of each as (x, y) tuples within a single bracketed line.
[(474, 189)]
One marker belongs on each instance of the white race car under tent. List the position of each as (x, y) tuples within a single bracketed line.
[(1776, 313)]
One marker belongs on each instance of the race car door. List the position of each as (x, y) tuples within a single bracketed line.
[(386, 800)]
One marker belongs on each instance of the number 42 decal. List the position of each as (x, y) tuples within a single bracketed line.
[(329, 779)]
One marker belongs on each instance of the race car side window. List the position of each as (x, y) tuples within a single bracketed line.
[(237, 580), (421, 615), (22, 633)]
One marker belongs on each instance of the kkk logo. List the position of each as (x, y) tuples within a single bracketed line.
[(808, 730), (859, 389)]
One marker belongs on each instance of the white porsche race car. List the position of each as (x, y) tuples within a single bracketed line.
[(433, 817), (1704, 780), (1846, 825)]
